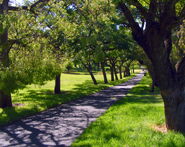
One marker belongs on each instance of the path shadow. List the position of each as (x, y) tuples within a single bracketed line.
[(59, 126), (45, 129), (45, 99)]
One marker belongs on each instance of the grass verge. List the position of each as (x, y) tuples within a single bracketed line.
[(132, 122), (34, 99)]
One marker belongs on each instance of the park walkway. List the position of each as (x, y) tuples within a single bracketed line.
[(61, 125)]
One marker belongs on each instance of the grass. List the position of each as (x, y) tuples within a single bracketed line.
[(130, 123), (34, 99)]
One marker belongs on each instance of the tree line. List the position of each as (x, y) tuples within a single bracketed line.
[(38, 39)]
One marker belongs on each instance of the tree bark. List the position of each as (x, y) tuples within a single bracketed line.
[(124, 73), (5, 46), (104, 72), (120, 72), (5, 96), (174, 102), (5, 99), (112, 73), (89, 69), (127, 71), (152, 86), (57, 89), (115, 72), (93, 78)]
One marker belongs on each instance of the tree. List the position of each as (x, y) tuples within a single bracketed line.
[(89, 17), (101, 58), (9, 39), (55, 31), (160, 18), (118, 47)]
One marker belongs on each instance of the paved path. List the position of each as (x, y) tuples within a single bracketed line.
[(61, 125)]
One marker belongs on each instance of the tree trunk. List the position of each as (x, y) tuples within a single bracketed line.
[(104, 72), (5, 46), (174, 103), (57, 84), (112, 73), (169, 80), (127, 71), (98, 66), (124, 73), (115, 72), (156, 41), (89, 69), (152, 86), (5, 99), (120, 72), (93, 78)]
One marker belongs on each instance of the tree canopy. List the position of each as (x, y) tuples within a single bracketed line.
[(40, 37)]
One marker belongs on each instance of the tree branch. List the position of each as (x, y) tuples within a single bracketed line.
[(37, 3), (4, 6), (141, 9), (12, 8), (133, 24)]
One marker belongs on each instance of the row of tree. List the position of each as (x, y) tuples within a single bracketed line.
[(37, 39)]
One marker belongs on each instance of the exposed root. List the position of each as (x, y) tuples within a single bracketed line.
[(160, 128)]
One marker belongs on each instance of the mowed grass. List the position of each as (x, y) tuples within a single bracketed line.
[(131, 122), (34, 99)]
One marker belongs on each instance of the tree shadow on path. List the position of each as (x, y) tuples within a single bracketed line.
[(59, 126)]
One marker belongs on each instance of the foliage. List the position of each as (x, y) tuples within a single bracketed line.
[(69, 66), (30, 56), (182, 35), (30, 60), (28, 67)]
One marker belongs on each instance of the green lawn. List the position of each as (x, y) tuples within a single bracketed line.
[(131, 122), (34, 99)]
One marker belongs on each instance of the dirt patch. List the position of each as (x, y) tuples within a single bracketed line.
[(160, 128)]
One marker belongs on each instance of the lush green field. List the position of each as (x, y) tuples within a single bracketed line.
[(34, 99), (134, 121)]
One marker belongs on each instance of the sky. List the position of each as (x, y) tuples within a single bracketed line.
[(18, 2)]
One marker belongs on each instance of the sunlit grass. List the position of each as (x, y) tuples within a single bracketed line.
[(34, 98), (129, 123)]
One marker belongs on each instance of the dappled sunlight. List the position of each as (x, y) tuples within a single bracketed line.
[(59, 126), (34, 98)]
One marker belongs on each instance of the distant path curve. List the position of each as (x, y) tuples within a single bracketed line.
[(61, 125)]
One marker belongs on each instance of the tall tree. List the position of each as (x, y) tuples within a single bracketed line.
[(160, 18), (55, 31), (8, 40), (89, 17)]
